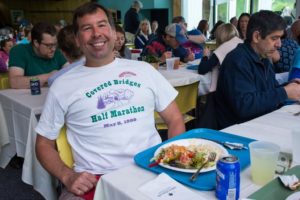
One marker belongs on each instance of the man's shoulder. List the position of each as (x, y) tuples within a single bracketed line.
[(21, 48), (239, 51), (235, 57)]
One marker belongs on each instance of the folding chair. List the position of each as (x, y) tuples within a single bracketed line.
[(4, 83), (64, 149), (186, 101)]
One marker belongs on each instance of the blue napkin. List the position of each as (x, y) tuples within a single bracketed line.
[(207, 180), (192, 67)]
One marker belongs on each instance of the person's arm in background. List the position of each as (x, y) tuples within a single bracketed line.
[(174, 119), (198, 39), (17, 80), (185, 55), (207, 63), (196, 36), (77, 183)]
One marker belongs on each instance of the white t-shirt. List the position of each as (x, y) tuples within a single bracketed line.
[(109, 112)]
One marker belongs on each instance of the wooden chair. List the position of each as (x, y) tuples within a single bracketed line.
[(64, 149), (4, 83), (186, 101)]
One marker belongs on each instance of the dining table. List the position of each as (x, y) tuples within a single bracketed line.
[(19, 115), (125, 183), (187, 73)]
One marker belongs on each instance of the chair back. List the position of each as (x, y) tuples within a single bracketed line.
[(64, 148), (187, 97), (4, 83), (186, 101)]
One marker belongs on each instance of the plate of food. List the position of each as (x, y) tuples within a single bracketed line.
[(187, 155)]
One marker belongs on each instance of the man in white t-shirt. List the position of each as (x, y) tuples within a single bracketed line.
[(107, 106)]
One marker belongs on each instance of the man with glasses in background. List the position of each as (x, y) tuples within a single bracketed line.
[(38, 59)]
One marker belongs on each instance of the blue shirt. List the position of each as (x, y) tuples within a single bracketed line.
[(295, 69)]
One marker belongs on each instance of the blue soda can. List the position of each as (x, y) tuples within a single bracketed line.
[(228, 178), (35, 86)]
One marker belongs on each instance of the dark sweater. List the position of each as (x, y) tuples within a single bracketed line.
[(246, 88), (131, 21)]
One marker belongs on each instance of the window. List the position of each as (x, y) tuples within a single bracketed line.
[(192, 12)]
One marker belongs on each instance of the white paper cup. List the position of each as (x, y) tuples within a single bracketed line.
[(296, 144), (263, 157), (170, 63)]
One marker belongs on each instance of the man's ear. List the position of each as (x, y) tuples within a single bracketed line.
[(35, 43), (256, 36)]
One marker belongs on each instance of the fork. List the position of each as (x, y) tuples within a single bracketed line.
[(211, 157)]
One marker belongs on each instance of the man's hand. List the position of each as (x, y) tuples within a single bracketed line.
[(79, 183), (206, 52), (167, 54), (293, 89), (190, 56)]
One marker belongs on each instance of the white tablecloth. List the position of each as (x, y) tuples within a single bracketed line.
[(180, 77), (275, 127), (21, 111)]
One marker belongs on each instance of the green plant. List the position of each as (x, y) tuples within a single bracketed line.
[(150, 59)]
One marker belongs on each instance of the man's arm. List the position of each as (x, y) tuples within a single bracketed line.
[(198, 39), (77, 183), (174, 120), (17, 80)]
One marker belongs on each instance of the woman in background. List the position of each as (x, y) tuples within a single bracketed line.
[(154, 28), (213, 30), (143, 34), (227, 38), (203, 27), (242, 25), (121, 51), (5, 45)]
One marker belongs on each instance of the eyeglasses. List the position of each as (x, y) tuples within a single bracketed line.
[(50, 46)]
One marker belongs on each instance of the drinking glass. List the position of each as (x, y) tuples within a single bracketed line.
[(263, 157)]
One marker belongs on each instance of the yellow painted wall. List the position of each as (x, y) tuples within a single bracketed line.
[(41, 10)]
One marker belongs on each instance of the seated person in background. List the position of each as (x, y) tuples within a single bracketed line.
[(242, 25), (283, 58), (154, 28), (203, 26), (234, 21), (212, 35), (247, 87), (227, 38), (295, 68), (67, 44), (171, 40), (195, 38), (38, 59), (120, 50), (25, 35), (6, 44), (107, 106), (143, 34)]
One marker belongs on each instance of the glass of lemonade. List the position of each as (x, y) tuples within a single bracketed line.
[(263, 157)]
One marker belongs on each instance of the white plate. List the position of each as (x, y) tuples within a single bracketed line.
[(294, 196), (220, 150)]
